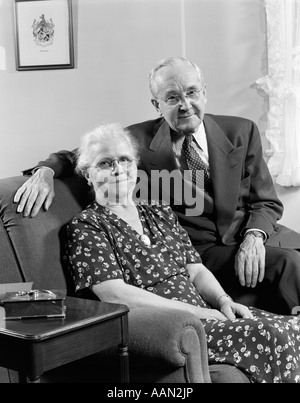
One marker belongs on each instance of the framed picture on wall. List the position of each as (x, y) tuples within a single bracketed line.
[(44, 34)]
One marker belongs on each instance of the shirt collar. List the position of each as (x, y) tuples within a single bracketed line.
[(200, 138)]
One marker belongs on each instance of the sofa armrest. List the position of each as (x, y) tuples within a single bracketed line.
[(171, 337)]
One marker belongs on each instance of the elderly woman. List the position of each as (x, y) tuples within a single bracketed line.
[(138, 254)]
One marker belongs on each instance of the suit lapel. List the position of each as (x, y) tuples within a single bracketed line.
[(160, 157), (160, 150), (224, 161), (225, 170)]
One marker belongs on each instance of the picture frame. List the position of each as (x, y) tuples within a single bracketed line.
[(44, 34)]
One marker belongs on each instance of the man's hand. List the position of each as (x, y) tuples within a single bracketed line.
[(250, 261), (36, 192)]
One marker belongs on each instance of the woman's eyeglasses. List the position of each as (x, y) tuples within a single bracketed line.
[(110, 163)]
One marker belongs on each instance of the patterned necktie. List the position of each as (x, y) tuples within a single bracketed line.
[(196, 165)]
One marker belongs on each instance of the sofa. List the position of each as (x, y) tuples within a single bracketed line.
[(165, 346)]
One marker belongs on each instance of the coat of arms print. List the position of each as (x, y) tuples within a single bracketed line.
[(43, 31), (44, 34)]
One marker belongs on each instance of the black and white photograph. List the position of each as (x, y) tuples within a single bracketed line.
[(149, 194)]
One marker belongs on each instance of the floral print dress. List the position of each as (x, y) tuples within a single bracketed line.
[(101, 246)]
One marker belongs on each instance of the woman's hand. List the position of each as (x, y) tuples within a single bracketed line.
[(207, 313), (232, 310)]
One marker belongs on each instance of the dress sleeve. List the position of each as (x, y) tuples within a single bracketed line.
[(192, 256), (89, 255)]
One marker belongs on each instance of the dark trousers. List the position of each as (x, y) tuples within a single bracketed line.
[(279, 292)]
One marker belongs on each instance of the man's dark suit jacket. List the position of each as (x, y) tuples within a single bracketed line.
[(244, 194)]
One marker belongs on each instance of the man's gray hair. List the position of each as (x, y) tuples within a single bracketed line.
[(107, 133), (170, 61)]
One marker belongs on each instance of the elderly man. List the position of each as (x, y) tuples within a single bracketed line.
[(237, 233)]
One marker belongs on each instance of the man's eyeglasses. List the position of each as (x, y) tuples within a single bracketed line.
[(109, 163), (175, 99)]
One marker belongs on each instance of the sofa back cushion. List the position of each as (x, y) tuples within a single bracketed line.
[(33, 246)]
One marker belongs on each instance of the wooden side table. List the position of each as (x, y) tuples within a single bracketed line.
[(34, 346)]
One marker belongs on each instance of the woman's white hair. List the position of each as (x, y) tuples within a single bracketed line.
[(90, 142)]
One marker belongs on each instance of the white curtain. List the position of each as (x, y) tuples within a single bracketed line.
[(282, 84)]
